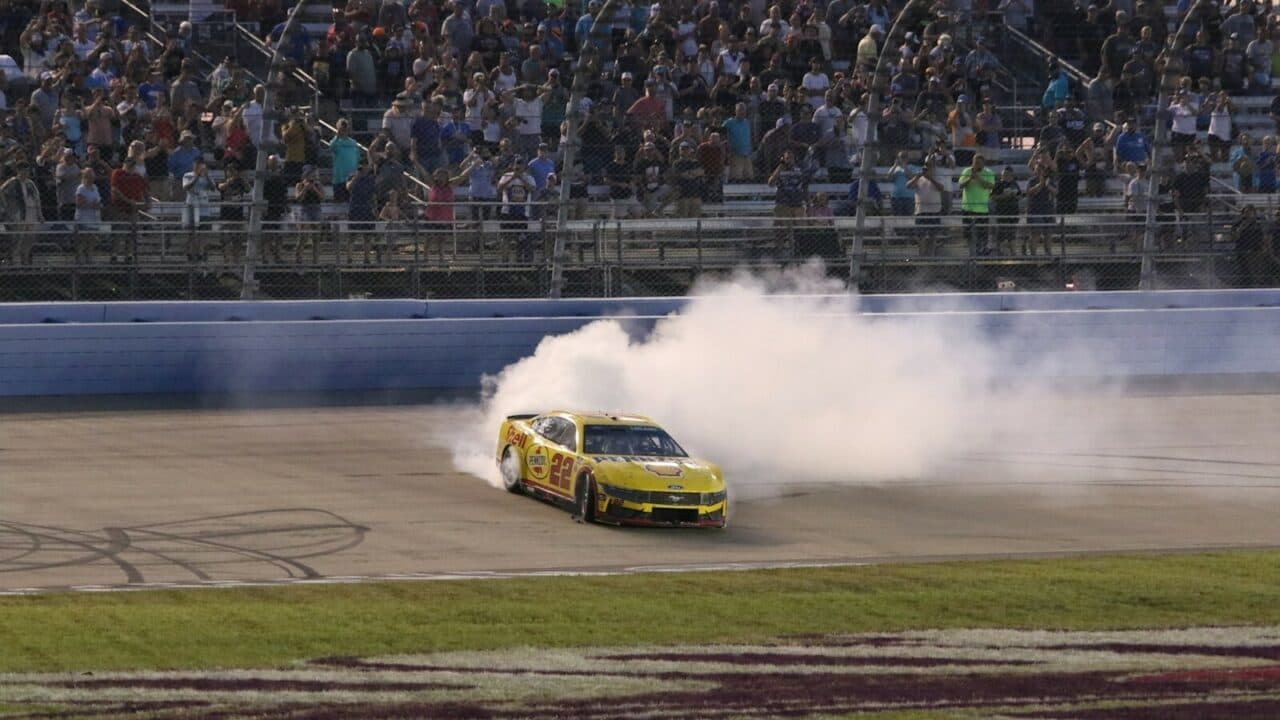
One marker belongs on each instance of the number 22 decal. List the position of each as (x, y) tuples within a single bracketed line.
[(561, 471)]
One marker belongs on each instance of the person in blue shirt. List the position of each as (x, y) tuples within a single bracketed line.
[(1058, 90), (425, 139), (1131, 146), (1266, 166), (875, 199), (738, 131), (479, 171), (454, 134), (155, 85), (903, 198), (542, 166), (183, 157), (346, 157), (299, 39)]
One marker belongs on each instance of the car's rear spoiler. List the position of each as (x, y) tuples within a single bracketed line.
[(522, 416)]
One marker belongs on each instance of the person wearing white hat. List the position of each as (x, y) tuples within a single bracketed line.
[(869, 47)]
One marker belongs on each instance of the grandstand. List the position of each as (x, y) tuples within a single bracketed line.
[(675, 117)]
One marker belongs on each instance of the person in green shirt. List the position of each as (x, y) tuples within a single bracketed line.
[(976, 182)]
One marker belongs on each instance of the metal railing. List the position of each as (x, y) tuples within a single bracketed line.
[(507, 256)]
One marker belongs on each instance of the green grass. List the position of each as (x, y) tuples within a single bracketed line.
[(257, 627)]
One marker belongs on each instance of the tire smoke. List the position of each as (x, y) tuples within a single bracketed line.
[(778, 378)]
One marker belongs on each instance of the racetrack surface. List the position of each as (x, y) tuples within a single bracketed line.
[(152, 496)]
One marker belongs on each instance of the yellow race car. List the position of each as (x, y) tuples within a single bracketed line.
[(610, 468)]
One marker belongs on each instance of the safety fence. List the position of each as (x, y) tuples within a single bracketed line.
[(506, 256)]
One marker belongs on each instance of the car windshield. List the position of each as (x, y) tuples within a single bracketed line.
[(630, 440)]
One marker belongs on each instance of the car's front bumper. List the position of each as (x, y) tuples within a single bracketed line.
[(612, 510)]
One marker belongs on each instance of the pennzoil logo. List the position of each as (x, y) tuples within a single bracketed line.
[(537, 462), (665, 470)]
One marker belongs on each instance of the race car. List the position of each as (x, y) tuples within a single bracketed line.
[(613, 468)]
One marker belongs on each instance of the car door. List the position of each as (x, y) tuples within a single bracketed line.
[(552, 458)]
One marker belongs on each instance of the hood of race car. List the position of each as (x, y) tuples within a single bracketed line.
[(658, 474)]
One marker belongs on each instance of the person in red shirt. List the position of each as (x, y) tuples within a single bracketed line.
[(128, 199), (650, 111), (711, 153), (439, 210)]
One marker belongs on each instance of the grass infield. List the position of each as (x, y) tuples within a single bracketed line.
[(271, 626)]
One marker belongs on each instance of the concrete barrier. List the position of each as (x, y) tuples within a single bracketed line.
[(235, 347)]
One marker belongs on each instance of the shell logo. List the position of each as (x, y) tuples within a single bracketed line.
[(664, 470)]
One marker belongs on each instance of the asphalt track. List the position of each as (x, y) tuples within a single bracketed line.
[(145, 497)]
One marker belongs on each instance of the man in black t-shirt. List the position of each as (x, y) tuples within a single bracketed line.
[(649, 170), (687, 178), (618, 176)]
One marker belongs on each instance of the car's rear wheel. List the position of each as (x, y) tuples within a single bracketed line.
[(586, 498), (510, 468)]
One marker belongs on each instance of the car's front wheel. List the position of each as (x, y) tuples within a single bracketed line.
[(585, 498), (510, 468)]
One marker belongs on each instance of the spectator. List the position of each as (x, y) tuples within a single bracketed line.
[(928, 207), (1040, 210), (68, 176), (362, 73), (1259, 53), (275, 192), (902, 199), (398, 121), (517, 190), (183, 157), (1131, 146), (128, 200), (1095, 157), (649, 170), (874, 202), (1254, 249), (1004, 206), (479, 171), (792, 182), (976, 184), (1265, 166), (1068, 168), (961, 127), (1220, 125), (346, 157), (988, 126), (711, 156), (1243, 167), (88, 214), (621, 181), (1184, 123), (738, 131), (309, 195), (233, 192), (687, 182), (424, 143), (196, 186), (541, 166), (1136, 194), (362, 199), (20, 201)]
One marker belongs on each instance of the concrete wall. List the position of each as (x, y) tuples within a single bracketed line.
[(112, 348)]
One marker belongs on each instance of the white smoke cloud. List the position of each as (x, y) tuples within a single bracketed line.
[(779, 379)]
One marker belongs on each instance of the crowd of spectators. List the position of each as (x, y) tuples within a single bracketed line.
[(678, 99)]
